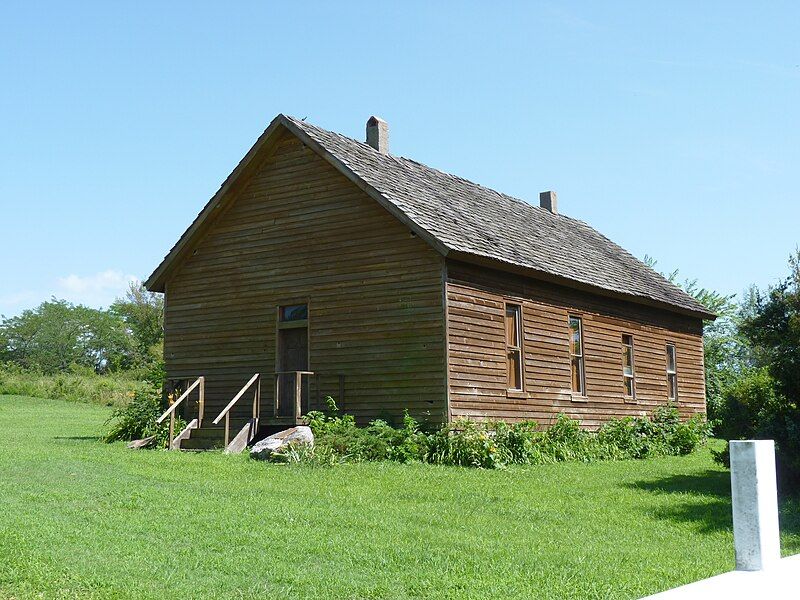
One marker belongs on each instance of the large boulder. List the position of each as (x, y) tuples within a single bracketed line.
[(263, 449)]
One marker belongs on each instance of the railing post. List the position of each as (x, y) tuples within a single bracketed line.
[(298, 392), (171, 429), (227, 428), (276, 399), (201, 408), (754, 495), (255, 398)]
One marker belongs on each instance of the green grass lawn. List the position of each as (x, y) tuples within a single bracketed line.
[(83, 519)]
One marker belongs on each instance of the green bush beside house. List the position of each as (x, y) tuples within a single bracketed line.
[(492, 445)]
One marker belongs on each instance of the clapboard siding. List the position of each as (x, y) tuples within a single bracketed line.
[(298, 230), (476, 299)]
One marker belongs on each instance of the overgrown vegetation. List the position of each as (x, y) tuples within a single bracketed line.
[(493, 445), (137, 419), (74, 385)]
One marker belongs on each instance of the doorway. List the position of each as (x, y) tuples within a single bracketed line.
[(291, 357)]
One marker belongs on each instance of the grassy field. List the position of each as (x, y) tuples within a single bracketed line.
[(83, 519)]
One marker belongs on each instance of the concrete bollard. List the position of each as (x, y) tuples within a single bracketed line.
[(754, 495)]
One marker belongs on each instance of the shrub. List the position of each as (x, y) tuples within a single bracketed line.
[(753, 408), (745, 403), (491, 445), (662, 435), (377, 441), (137, 419), (467, 444)]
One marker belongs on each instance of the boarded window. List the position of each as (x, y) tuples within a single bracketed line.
[(628, 376), (514, 345), (576, 356), (672, 373)]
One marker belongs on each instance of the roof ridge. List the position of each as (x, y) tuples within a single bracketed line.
[(449, 206), (401, 158)]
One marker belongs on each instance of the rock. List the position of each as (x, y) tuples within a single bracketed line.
[(296, 435), (147, 442)]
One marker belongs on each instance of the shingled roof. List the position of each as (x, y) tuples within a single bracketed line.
[(468, 221)]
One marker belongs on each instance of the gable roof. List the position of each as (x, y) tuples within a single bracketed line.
[(470, 222)]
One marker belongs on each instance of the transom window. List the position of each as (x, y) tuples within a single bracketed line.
[(672, 373), (514, 345), (294, 312), (576, 356), (628, 376)]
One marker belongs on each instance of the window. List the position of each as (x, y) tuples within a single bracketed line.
[(514, 345), (672, 373), (576, 356), (294, 312), (628, 376)]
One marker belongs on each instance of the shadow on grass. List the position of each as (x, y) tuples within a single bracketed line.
[(704, 499), (708, 483), (80, 438)]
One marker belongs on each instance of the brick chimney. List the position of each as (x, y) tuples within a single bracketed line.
[(378, 134), (549, 201)]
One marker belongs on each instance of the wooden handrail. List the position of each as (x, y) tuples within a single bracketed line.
[(226, 411), (235, 399), (175, 404), (201, 381)]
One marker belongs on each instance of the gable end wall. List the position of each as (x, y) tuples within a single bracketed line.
[(299, 231)]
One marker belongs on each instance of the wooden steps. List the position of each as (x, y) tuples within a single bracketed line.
[(204, 438), (213, 437), (235, 435)]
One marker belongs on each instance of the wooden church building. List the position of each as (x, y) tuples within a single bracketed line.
[(326, 266)]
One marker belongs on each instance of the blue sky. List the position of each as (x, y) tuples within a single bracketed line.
[(672, 129)]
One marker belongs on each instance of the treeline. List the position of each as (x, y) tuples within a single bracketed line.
[(58, 337), (73, 352), (752, 355)]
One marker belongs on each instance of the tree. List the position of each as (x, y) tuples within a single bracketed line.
[(766, 402), (56, 335), (726, 352), (772, 325), (143, 314)]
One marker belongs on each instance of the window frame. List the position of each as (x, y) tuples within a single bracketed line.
[(581, 358), (281, 324), (632, 377), (672, 374), (518, 349)]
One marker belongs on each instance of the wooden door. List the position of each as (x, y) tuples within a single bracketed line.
[(292, 356)]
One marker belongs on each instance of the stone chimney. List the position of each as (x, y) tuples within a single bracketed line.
[(549, 201), (378, 134)]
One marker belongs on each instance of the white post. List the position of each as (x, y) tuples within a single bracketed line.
[(755, 504)]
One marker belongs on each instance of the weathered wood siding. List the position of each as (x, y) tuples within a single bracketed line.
[(299, 231), (477, 351)]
